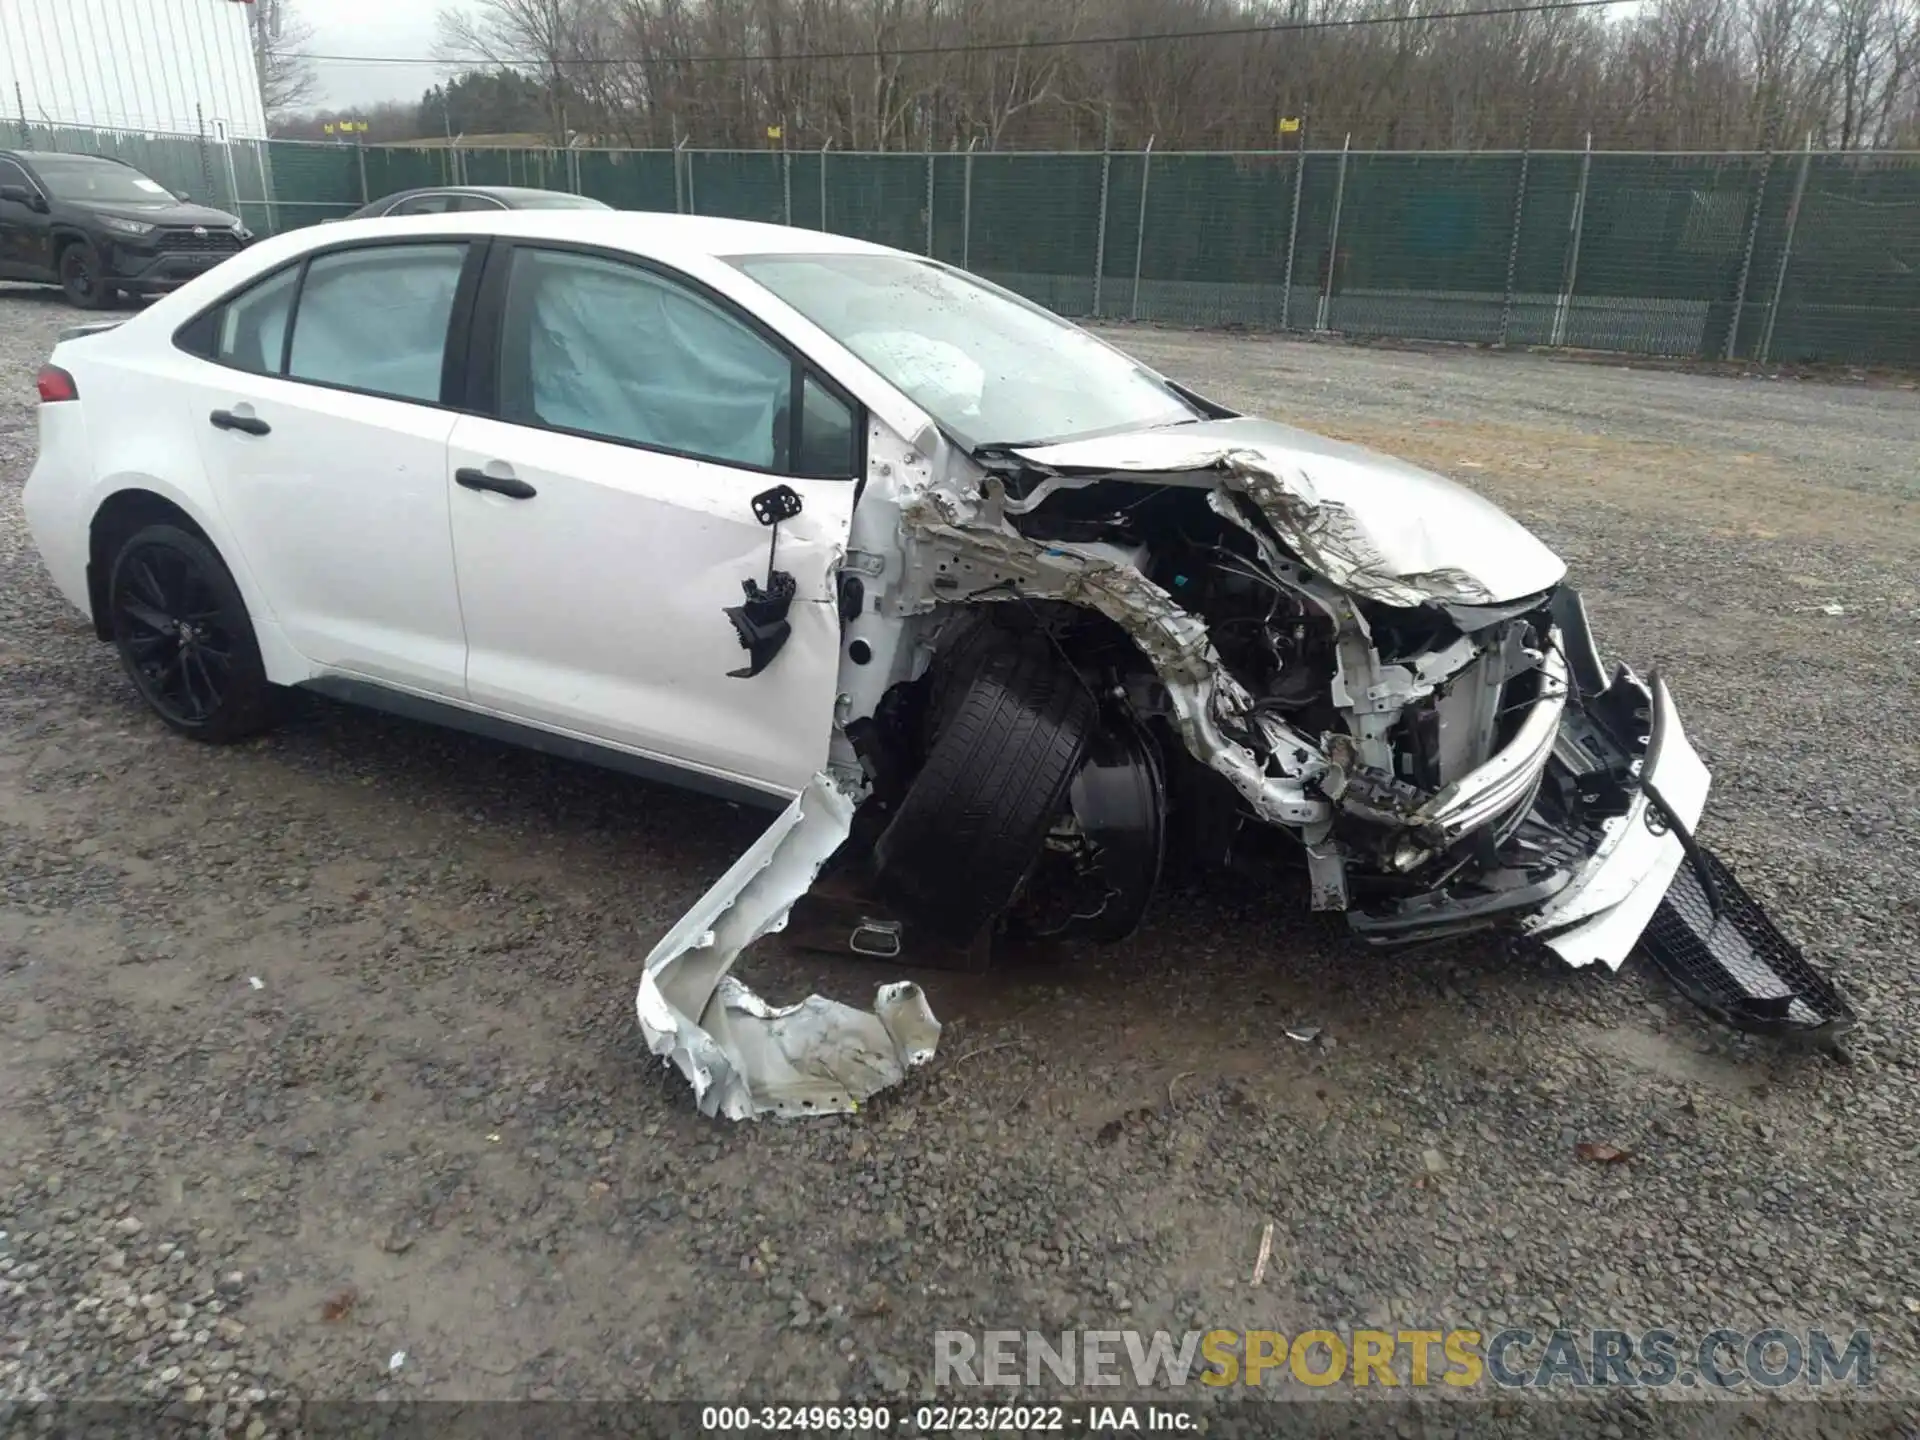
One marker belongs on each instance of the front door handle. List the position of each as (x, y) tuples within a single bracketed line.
[(245, 424), (499, 485)]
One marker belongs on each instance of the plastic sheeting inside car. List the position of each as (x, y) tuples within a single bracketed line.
[(612, 350)]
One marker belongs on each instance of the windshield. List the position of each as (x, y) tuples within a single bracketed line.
[(990, 367), (101, 180)]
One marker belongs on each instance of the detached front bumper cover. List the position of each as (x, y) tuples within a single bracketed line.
[(744, 1057), (1601, 914), (1645, 886)]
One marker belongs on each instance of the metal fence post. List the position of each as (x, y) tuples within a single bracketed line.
[(1513, 244), (1293, 231), (206, 161), (1100, 245), (679, 204), (786, 177), (693, 202), (224, 134), (360, 154), (1786, 248), (1570, 274), (823, 181), (1140, 230), (20, 104), (1333, 237), (929, 202), (966, 208), (266, 187), (1746, 259)]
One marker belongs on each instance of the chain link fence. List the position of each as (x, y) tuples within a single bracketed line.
[(1794, 257), (209, 168)]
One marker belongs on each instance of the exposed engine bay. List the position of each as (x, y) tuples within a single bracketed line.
[(1229, 643)]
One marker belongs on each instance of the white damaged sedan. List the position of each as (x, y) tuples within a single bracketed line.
[(998, 620)]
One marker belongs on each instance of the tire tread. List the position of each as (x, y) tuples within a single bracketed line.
[(1010, 740)]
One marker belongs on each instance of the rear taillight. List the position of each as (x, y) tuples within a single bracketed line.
[(56, 385)]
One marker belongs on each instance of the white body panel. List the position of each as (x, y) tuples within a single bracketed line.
[(1601, 917), (599, 605), (342, 512)]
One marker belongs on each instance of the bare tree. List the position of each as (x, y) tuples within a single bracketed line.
[(287, 79), (543, 34), (948, 74)]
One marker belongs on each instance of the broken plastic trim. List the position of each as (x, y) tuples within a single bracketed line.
[(744, 1057)]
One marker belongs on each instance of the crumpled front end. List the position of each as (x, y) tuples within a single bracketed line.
[(1223, 643), (1378, 665)]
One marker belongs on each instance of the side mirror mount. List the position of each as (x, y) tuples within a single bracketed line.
[(761, 623), (770, 507), (24, 195)]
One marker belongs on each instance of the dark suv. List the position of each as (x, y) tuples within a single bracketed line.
[(97, 227)]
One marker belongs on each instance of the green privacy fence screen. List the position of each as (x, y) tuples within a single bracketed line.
[(1788, 257)]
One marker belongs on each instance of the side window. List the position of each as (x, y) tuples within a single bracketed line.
[(465, 203), (251, 330), (617, 351), (423, 205), (829, 444), (12, 174), (376, 319)]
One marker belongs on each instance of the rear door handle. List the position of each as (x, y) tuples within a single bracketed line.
[(245, 424), (499, 485)]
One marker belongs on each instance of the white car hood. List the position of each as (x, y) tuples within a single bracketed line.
[(1375, 525)]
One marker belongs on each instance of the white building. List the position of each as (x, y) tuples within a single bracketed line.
[(160, 66)]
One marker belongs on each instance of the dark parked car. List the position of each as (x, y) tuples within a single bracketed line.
[(97, 227), (449, 199)]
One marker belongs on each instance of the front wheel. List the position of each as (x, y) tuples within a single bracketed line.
[(1013, 726), (80, 276), (184, 635)]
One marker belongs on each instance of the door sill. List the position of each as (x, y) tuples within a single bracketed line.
[(454, 716)]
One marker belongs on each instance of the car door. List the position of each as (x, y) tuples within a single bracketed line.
[(604, 523), (324, 436), (26, 234)]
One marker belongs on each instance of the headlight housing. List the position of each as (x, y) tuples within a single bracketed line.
[(126, 227)]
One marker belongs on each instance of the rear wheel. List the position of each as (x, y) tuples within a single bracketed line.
[(80, 276), (1011, 732), (184, 635)]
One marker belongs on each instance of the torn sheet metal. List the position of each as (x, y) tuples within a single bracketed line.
[(744, 1057), (1005, 566), (1370, 524)]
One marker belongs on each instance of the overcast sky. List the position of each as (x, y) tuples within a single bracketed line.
[(372, 27)]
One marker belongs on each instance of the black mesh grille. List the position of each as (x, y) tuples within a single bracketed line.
[(1740, 969), (211, 242)]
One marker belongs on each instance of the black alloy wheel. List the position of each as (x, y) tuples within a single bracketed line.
[(184, 636), (80, 276)]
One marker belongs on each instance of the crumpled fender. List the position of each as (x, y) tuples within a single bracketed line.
[(744, 1057)]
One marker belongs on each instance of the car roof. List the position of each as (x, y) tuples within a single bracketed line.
[(503, 192), (37, 155), (649, 231)]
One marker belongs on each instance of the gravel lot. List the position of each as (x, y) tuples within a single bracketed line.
[(322, 1049)]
